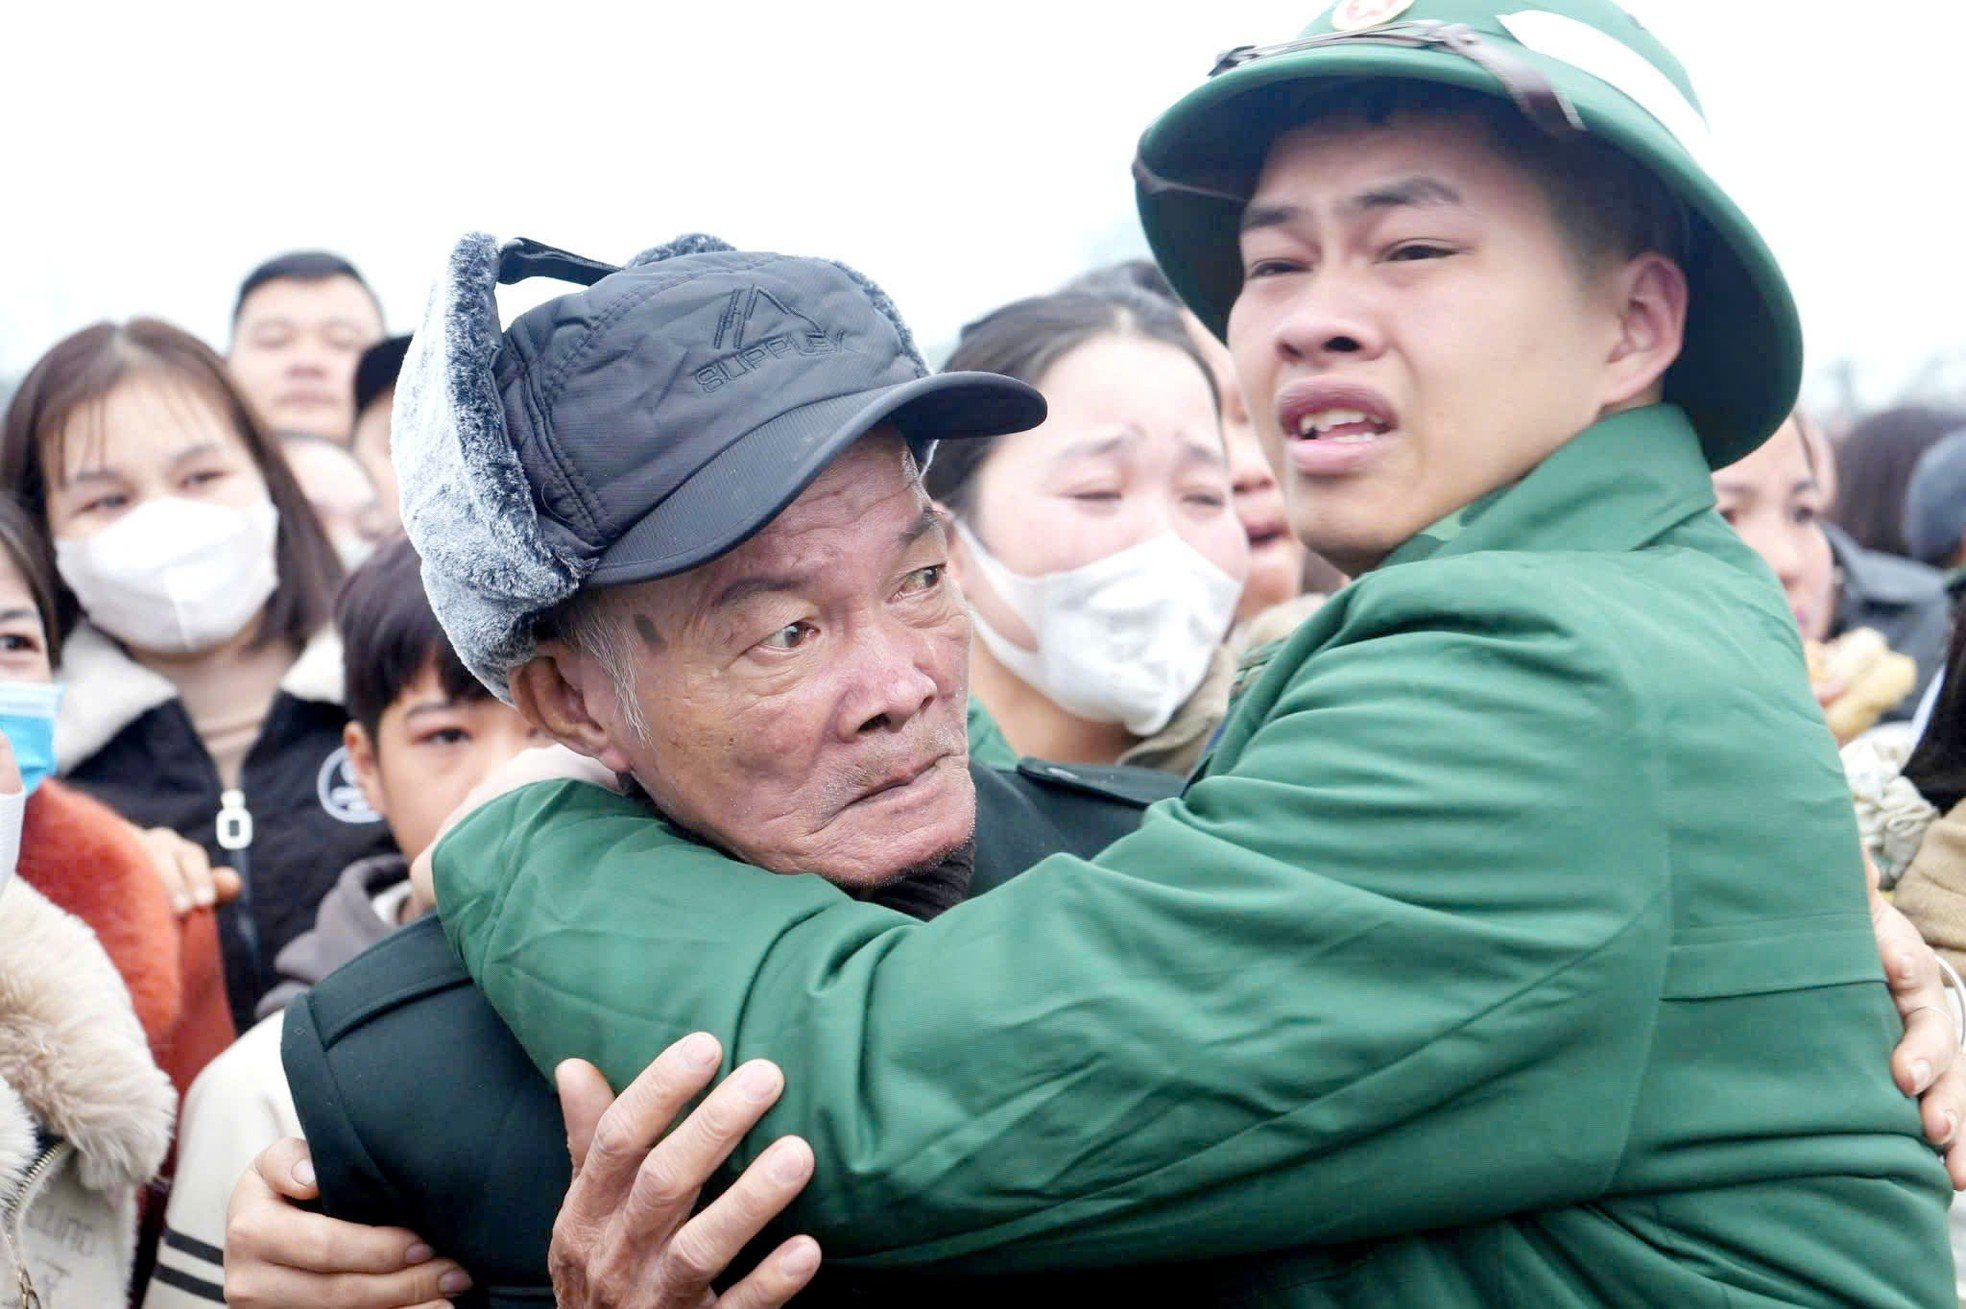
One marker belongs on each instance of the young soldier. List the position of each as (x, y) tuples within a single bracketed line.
[(1511, 947)]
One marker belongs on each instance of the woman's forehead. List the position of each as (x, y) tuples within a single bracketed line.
[(148, 419)]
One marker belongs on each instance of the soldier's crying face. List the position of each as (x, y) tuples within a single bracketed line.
[(1415, 329)]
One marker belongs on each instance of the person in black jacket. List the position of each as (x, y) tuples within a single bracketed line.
[(204, 687)]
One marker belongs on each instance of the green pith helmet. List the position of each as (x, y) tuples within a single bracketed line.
[(1570, 65)]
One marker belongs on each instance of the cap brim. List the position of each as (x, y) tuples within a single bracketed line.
[(732, 497), (1740, 370)]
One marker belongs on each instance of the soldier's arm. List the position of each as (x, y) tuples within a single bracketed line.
[(1352, 984)]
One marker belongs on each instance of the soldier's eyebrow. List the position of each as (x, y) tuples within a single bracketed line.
[(1418, 190)]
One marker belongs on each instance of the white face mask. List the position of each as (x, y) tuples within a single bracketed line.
[(175, 575), (1124, 639)]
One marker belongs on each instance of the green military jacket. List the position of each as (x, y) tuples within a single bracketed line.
[(1510, 948)]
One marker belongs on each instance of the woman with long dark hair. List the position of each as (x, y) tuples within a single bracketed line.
[(203, 678)]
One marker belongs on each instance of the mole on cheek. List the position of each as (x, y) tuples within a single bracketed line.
[(646, 630)]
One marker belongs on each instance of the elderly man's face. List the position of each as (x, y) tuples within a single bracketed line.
[(803, 696)]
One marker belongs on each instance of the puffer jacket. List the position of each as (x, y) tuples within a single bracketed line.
[(294, 823), (85, 1115)]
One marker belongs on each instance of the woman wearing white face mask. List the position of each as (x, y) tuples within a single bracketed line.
[(1100, 551), (204, 684)]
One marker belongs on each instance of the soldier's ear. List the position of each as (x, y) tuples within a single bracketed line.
[(556, 690), (1652, 295)]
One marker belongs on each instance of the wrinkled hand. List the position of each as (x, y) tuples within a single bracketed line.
[(624, 1238), (186, 871), (546, 763), (1926, 1063), (278, 1256)]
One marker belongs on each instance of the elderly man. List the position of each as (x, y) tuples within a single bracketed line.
[(1511, 944), (734, 441)]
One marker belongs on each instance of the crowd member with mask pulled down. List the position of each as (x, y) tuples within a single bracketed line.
[(204, 683), (1868, 659), (1100, 552), (299, 324), (423, 733), (85, 1112), (80, 855), (1512, 942)]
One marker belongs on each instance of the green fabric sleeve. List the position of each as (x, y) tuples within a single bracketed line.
[(1390, 964)]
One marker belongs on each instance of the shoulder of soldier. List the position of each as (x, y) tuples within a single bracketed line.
[(419, 1106)]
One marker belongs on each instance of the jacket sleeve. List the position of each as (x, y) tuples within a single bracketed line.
[(1391, 964)]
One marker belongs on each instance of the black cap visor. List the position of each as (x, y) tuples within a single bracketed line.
[(750, 482)]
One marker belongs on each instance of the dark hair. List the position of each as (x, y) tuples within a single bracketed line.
[(1024, 339), (301, 266), (1937, 766), (1126, 275), (377, 370), (26, 546), (389, 636), (84, 368), (1873, 469)]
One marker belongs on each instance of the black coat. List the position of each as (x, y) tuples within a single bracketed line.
[(306, 821), (422, 1109)]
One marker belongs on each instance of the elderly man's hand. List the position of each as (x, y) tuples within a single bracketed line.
[(625, 1238), (1926, 1063), (278, 1256)]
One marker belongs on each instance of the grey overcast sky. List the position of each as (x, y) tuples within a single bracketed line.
[(961, 155)]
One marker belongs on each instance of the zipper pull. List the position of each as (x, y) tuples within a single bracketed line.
[(28, 1297), (235, 821)]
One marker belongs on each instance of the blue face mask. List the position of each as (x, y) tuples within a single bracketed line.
[(27, 718)]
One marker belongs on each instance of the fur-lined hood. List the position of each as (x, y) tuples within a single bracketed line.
[(107, 690), (73, 1060)]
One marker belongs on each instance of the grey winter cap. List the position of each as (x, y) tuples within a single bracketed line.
[(1935, 502), (644, 425)]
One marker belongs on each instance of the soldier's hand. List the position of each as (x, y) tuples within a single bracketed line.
[(546, 763), (1926, 1063), (186, 871), (278, 1256), (625, 1238)]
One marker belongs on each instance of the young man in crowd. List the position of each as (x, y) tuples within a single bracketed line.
[(423, 733), (300, 323)]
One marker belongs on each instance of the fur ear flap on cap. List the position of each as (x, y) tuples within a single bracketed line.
[(468, 506)]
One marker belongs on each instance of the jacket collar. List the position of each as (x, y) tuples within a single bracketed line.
[(107, 690), (1875, 577), (1613, 487), (72, 1057)]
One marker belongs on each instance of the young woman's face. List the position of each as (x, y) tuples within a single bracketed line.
[(1131, 448), (1774, 499), (147, 439), (23, 640)]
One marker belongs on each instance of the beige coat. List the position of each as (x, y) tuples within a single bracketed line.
[(85, 1115), (1932, 892)]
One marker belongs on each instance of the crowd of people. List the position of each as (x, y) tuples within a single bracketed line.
[(1279, 774)]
